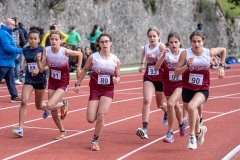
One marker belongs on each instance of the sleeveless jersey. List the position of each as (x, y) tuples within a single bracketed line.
[(58, 66), (150, 73), (102, 72), (197, 77), (169, 65), (31, 61)]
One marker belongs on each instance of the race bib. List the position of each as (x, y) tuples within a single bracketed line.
[(55, 74), (103, 79), (32, 66), (151, 71), (195, 79), (173, 78)]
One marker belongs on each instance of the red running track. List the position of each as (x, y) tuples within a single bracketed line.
[(118, 140)]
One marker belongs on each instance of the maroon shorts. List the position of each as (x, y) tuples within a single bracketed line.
[(96, 95), (58, 86), (168, 91)]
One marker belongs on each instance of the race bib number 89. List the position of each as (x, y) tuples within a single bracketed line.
[(103, 79), (56, 74), (151, 71), (195, 79), (173, 78)]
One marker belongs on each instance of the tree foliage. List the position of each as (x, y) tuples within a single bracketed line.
[(236, 2)]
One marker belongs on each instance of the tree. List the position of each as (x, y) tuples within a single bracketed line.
[(236, 2)]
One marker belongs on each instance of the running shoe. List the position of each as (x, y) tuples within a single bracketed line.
[(95, 146), (142, 133), (185, 124), (61, 135), (169, 138), (201, 121), (165, 120), (16, 100), (18, 132), (182, 131), (64, 110), (192, 142), (200, 136), (45, 114)]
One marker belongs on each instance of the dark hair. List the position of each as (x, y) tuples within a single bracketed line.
[(95, 27), (52, 27), (173, 34), (38, 30), (198, 33), (199, 24), (98, 40), (56, 32)]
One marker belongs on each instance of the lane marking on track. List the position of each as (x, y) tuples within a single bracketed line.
[(232, 153), (150, 143), (108, 124), (12, 125), (115, 91), (70, 97), (51, 129), (72, 111)]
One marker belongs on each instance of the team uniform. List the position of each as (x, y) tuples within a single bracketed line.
[(59, 69), (39, 81), (101, 83), (170, 82), (197, 77), (150, 74)]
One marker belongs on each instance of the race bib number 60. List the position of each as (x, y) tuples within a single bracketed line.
[(103, 79), (195, 79), (151, 71), (56, 74)]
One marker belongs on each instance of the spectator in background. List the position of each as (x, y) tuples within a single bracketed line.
[(24, 30), (20, 41), (92, 37), (199, 27), (73, 37), (8, 54), (46, 38)]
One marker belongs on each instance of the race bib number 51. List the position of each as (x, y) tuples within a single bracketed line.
[(195, 79), (56, 74), (103, 79), (151, 71)]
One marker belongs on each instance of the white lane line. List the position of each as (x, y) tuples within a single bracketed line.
[(70, 97), (148, 144), (72, 111), (73, 135), (232, 153)]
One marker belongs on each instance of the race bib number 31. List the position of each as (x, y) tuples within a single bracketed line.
[(56, 74), (195, 79), (151, 71), (173, 78), (103, 79), (32, 66)]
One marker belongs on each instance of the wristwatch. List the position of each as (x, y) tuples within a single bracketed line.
[(221, 65)]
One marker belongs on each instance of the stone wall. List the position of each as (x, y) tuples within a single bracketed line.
[(127, 21)]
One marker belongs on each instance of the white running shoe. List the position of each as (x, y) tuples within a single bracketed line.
[(18, 82), (200, 136), (142, 133), (192, 142)]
